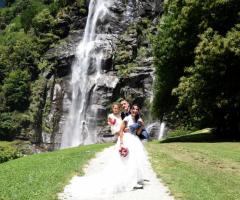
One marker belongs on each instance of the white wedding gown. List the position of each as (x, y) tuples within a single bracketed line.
[(120, 174)]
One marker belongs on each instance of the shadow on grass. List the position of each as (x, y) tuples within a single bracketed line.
[(200, 137)]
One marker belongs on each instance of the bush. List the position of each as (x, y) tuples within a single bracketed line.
[(43, 22), (10, 125), (8, 152)]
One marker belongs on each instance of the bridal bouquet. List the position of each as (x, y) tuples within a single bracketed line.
[(123, 151)]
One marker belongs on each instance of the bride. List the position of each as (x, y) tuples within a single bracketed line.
[(122, 173)]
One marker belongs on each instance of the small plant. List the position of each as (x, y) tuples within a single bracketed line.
[(8, 152), (125, 70)]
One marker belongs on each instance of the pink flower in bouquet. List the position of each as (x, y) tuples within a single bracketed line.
[(123, 151), (112, 121)]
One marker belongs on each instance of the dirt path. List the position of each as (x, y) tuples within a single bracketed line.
[(153, 188)]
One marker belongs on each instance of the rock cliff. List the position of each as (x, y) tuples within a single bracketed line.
[(127, 65)]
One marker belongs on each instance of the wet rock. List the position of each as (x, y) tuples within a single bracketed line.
[(127, 63)]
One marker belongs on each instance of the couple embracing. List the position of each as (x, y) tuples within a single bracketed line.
[(128, 126), (129, 120), (127, 162)]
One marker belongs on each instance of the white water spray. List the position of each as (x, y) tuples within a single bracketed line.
[(162, 131), (86, 71)]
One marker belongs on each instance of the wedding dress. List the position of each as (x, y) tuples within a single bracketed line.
[(120, 174)]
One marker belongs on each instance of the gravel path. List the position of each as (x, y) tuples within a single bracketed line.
[(153, 188)]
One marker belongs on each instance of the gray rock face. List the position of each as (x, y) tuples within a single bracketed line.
[(127, 65)]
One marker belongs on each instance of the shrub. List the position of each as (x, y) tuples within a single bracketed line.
[(9, 125), (8, 152)]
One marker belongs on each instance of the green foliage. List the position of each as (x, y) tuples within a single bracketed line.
[(43, 22), (173, 49), (45, 65), (123, 56), (125, 70), (46, 39), (8, 152), (211, 90), (55, 6), (30, 12), (18, 60), (142, 52), (9, 13), (26, 18), (196, 55), (81, 3), (20, 51), (14, 26), (10, 124), (16, 89), (27, 29), (37, 98), (3, 61), (36, 108)]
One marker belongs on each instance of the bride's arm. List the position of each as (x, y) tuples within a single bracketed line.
[(139, 130), (123, 126)]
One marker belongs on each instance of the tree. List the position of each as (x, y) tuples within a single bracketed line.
[(188, 69), (16, 90), (210, 90), (173, 50)]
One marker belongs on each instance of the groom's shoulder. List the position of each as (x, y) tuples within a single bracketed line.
[(127, 118)]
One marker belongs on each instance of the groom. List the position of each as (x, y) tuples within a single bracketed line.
[(125, 108), (126, 111)]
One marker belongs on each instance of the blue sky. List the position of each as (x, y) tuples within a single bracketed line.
[(2, 3)]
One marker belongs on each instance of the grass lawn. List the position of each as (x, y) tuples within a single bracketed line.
[(42, 176), (198, 170)]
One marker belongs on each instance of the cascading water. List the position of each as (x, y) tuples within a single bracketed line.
[(162, 131), (86, 70)]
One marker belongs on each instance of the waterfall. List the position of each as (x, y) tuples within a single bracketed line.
[(86, 71), (157, 130), (162, 131)]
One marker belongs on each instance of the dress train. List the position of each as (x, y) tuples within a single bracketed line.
[(120, 174)]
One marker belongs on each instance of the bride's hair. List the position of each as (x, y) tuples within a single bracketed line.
[(138, 115), (115, 104)]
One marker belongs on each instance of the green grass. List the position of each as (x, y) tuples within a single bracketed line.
[(42, 176), (198, 170)]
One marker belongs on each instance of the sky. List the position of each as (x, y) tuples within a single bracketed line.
[(2, 3)]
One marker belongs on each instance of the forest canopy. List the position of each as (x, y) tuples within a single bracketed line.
[(197, 56)]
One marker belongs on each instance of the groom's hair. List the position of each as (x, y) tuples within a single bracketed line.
[(122, 99)]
